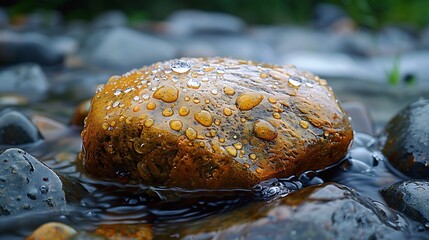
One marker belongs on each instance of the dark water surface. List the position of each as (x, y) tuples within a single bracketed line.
[(170, 209)]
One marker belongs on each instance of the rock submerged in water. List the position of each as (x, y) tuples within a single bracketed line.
[(409, 197), (406, 140), (212, 123), (327, 211)]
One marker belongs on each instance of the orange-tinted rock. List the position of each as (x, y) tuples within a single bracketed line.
[(52, 230), (80, 113), (125, 231), (279, 120)]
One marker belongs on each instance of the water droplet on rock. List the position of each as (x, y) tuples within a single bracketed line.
[(176, 125), (227, 111), (295, 81), (193, 83), (264, 130), (183, 111), (204, 118), (180, 66), (117, 92), (247, 101), (167, 94), (229, 91), (231, 150), (191, 133), (167, 112)]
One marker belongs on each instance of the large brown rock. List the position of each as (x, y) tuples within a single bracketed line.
[(212, 123)]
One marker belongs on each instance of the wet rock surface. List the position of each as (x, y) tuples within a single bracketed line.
[(409, 197), (328, 211), (225, 123), (28, 185), (406, 140), (17, 129)]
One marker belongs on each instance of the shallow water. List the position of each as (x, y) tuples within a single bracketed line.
[(170, 209)]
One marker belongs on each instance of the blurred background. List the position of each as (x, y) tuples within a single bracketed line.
[(374, 53)]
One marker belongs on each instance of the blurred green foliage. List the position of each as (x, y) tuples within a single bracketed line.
[(369, 13)]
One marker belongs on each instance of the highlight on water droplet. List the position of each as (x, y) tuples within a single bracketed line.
[(180, 66), (193, 83), (295, 81)]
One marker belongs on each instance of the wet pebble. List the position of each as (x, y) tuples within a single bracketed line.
[(406, 140), (409, 197), (328, 211), (17, 129), (27, 80), (52, 230)]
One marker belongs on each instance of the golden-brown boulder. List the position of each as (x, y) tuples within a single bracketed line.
[(212, 123)]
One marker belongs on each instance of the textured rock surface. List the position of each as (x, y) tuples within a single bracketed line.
[(52, 230), (212, 123), (28, 185), (409, 197), (328, 211), (407, 139)]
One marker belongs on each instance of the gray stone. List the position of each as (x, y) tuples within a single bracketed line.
[(409, 197), (28, 185), (27, 47), (109, 19), (328, 211), (16, 129), (27, 80), (124, 49), (189, 22), (406, 140), (392, 41), (65, 45), (78, 85), (4, 18)]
